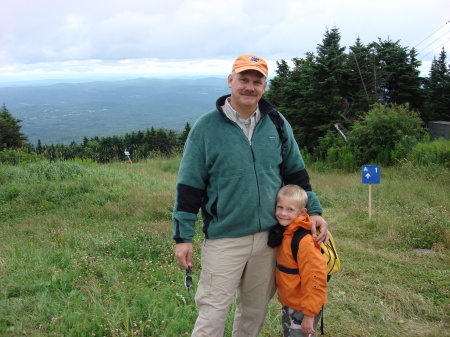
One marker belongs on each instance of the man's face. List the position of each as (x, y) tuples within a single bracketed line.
[(247, 89)]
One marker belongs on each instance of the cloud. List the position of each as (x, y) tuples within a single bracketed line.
[(152, 35)]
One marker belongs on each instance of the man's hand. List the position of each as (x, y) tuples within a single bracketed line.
[(183, 253), (317, 222)]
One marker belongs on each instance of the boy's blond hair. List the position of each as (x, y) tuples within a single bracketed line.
[(295, 192)]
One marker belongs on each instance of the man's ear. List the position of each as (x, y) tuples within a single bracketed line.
[(230, 79)]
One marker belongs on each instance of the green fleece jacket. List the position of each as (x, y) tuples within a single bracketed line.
[(235, 182)]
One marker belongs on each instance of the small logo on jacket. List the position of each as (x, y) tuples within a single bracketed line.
[(272, 137)]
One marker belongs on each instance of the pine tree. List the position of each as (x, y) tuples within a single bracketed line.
[(437, 87), (275, 94), (10, 135), (184, 135), (362, 79), (39, 148), (326, 90), (398, 69)]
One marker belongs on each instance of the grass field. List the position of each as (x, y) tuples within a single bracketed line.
[(85, 250)]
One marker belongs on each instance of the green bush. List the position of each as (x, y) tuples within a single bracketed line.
[(19, 156), (386, 134), (431, 153), (341, 157)]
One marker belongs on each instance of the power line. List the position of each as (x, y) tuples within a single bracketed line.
[(434, 41), (435, 49), (432, 34)]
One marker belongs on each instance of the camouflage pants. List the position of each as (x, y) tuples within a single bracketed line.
[(292, 323)]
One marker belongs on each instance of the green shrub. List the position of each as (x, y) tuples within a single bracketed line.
[(19, 156), (341, 157), (386, 134), (430, 153)]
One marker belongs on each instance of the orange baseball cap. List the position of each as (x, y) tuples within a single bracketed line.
[(250, 62)]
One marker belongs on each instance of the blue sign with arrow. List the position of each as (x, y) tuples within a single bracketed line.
[(371, 174)]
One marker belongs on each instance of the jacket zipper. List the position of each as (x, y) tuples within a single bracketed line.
[(254, 163)]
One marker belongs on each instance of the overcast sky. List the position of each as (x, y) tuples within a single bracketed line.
[(65, 38)]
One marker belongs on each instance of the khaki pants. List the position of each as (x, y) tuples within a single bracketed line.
[(244, 265)]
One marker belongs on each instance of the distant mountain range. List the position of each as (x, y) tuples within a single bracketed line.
[(66, 112)]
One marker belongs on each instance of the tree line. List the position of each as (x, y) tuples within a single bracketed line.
[(332, 89), (140, 144)]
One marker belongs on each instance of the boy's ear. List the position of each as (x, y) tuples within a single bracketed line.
[(304, 211)]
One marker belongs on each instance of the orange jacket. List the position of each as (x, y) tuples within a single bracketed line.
[(301, 286)]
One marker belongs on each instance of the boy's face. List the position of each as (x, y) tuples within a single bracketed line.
[(287, 209)]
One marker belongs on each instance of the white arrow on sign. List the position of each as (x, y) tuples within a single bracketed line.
[(367, 176)]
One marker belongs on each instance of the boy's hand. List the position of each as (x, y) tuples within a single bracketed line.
[(317, 222), (308, 325)]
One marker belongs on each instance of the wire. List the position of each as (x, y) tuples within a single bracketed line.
[(434, 41), (435, 49), (431, 34)]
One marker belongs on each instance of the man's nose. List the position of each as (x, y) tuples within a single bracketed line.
[(249, 87)]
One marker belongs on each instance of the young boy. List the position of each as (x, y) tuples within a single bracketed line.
[(301, 285)]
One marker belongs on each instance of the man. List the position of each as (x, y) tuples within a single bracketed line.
[(231, 169)]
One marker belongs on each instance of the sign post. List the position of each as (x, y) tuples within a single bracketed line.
[(128, 155), (370, 175)]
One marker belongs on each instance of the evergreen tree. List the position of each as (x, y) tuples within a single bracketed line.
[(415, 91), (325, 90), (398, 69), (298, 103), (361, 81), (85, 141), (10, 135), (161, 141), (39, 148), (275, 94), (438, 91), (290, 89), (184, 135), (172, 142), (333, 87)]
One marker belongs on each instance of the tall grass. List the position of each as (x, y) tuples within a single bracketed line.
[(86, 251)]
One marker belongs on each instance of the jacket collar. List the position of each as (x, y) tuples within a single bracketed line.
[(302, 221)]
